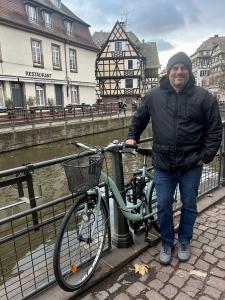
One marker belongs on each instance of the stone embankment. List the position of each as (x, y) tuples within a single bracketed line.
[(27, 136)]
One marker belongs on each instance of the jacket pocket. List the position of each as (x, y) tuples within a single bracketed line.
[(161, 156)]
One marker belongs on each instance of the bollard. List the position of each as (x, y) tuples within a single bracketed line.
[(122, 237)]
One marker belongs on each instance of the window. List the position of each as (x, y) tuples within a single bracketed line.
[(130, 64), (1, 95), (128, 83), (37, 53), (74, 95), (56, 60), (40, 96), (48, 19), (203, 73), (57, 3), (32, 13), (118, 46), (73, 60), (68, 27)]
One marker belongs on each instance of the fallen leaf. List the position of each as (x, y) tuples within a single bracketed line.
[(73, 268), (141, 269)]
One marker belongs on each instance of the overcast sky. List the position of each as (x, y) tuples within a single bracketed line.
[(173, 24)]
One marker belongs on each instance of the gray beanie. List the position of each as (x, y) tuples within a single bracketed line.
[(179, 58)]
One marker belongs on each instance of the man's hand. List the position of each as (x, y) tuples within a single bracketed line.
[(130, 142)]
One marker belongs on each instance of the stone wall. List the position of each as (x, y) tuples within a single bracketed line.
[(28, 137)]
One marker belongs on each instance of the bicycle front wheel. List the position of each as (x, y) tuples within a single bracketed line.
[(78, 249)]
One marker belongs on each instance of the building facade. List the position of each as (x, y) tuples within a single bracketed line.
[(209, 64), (47, 55), (125, 67)]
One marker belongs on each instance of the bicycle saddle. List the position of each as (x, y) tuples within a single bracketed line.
[(145, 151)]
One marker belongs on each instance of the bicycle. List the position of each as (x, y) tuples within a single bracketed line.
[(81, 237)]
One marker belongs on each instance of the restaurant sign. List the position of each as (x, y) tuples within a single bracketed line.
[(38, 74)]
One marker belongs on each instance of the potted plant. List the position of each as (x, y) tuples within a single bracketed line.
[(9, 103), (31, 101), (50, 104)]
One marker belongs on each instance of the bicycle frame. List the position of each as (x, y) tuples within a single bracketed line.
[(125, 209)]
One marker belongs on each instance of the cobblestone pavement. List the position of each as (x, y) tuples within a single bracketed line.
[(202, 277)]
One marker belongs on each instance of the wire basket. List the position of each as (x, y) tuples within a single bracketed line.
[(83, 173)]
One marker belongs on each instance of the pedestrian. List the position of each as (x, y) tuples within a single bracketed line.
[(120, 107), (124, 106), (134, 106), (187, 132)]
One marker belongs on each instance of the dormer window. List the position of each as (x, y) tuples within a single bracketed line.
[(32, 13), (57, 3), (48, 19), (68, 27)]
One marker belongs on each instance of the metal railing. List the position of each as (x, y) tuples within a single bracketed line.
[(22, 116), (27, 238)]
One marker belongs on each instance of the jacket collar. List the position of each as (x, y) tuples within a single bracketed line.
[(187, 89)]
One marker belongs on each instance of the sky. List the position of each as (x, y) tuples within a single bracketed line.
[(175, 25)]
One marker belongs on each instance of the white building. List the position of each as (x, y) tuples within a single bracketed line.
[(47, 55)]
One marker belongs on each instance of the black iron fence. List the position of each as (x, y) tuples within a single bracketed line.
[(22, 116), (27, 238)]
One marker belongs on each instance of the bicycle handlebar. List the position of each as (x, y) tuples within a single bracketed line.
[(114, 146)]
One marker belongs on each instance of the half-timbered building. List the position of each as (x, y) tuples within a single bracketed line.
[(125, 67)]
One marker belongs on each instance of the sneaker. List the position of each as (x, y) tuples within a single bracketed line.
[(165, 255), (184, 251)]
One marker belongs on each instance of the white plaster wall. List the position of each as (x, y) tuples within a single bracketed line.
[(87, 95), (18, 59)]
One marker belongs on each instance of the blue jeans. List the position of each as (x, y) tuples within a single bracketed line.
[(165, 183)]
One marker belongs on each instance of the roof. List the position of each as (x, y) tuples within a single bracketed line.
[(99, 37), (62, 10), (13, 13), (211, 42), (148, 50), (221, 43)]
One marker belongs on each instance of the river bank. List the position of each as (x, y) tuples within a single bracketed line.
[(28, 136)]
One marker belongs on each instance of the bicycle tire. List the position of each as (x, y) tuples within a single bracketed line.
[(152, 202), (153, 208), (75, 260)]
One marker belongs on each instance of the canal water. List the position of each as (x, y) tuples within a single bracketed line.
[(52, 179)]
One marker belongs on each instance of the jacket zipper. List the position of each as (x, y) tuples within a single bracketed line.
[(176, 126)]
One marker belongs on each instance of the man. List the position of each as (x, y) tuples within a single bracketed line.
[(187, 132)]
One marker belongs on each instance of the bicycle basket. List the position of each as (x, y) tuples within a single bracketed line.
[(83, 173)]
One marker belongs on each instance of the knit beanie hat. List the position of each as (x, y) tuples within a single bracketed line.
[(179, 58)]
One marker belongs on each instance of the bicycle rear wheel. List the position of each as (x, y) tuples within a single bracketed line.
[(77, 252), (153, 208)]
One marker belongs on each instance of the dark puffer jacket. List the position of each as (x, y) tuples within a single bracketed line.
[(186, 126)]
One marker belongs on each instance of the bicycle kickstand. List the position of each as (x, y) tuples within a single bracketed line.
[(151, 237)]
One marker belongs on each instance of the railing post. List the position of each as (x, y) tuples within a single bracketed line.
[(222, 180), (122, 237)]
